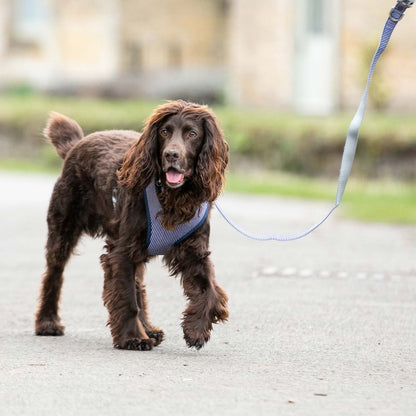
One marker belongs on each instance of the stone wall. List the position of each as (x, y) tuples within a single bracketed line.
[(87, 40), (174, 49), (74, 42), (260, 53), (166, 34)]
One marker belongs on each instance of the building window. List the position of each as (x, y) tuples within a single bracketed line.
[(29, 19), (315, 16)]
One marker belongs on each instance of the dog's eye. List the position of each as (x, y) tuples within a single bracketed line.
[(163, 132), (193, 134)]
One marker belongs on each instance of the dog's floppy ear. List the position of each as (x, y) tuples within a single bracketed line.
[(141, 162), (213, 159)]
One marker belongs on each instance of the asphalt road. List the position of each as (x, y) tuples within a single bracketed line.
[(321, 326)]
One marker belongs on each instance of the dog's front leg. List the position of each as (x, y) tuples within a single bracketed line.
[(207, 301), (120, 299), (152, 331)]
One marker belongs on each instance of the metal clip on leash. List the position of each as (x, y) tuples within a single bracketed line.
[(396, 14), (401, 5)]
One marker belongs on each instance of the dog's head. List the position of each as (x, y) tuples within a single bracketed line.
[(183, 146)]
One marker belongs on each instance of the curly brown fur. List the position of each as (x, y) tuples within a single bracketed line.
[(181, 146), (62, 132)]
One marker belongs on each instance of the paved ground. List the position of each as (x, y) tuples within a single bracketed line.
[(321, 326)]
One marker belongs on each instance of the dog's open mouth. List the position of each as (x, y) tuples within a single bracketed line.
[(174, 178)]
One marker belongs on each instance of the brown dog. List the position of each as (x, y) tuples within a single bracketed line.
[(107, 181)]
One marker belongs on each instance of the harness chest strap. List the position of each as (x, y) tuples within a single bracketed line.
[(159, 240)]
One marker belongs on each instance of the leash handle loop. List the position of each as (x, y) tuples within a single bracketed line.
[(396, 14)]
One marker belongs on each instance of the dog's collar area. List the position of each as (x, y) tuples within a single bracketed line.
[(159, 240), (158, 183)]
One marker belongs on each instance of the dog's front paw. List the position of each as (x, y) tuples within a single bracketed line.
[(196, 339), (219, 313), (157, 335), (49, 327), (136, 344)]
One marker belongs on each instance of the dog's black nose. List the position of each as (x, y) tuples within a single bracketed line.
[(171, 155)]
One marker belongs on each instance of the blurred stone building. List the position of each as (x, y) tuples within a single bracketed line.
[(313, 56), (124, 47), (305, 55)]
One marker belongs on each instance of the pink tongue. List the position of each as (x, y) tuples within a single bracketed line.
[(174, 177)]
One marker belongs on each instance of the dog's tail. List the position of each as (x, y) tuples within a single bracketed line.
[(63, 133)]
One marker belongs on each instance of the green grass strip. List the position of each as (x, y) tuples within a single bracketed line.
[(384, 201)]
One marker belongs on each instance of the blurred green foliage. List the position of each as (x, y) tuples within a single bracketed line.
[(374, 201), (259, 138)]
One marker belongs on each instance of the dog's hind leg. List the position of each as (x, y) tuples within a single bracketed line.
[(63, 234), (153, 332)]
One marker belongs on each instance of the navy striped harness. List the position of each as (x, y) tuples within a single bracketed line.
[(159, 240)]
